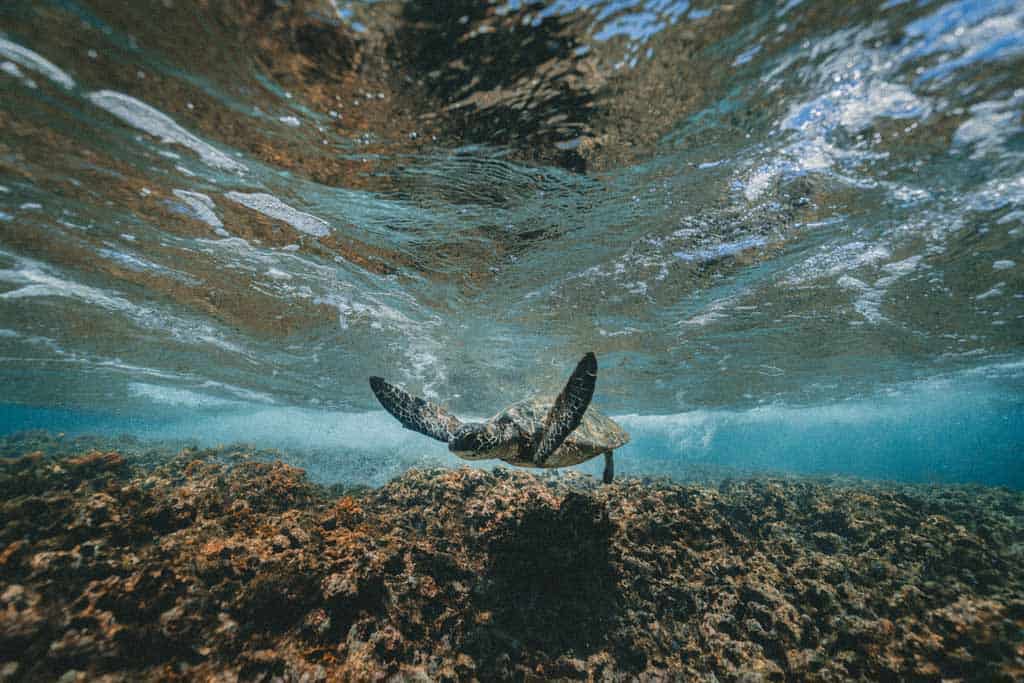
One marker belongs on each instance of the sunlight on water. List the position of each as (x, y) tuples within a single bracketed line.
[(792, 214)]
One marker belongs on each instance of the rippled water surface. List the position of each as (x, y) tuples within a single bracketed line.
[(792, 232)]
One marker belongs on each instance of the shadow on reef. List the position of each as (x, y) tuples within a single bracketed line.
[(550, 580), (122, 563)]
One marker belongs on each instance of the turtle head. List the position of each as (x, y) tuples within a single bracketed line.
[(472, 440)]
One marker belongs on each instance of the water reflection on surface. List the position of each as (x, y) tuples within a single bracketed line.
[(733, 205)]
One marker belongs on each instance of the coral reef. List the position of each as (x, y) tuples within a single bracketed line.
[(215, 565)]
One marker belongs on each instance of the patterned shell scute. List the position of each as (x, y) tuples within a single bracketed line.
[(595, 434)]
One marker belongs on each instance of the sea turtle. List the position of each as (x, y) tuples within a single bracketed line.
[(532, 433)]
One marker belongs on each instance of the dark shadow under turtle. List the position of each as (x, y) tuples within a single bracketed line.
[(536, 432), (550, 585)]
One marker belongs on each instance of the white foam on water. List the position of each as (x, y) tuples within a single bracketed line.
[(869, 303), (720, 251), (253, 258), (689, 429), (1016, 216), (714, 311), (241, 393), (360, 309), (871, 296), (139, 264), (12, 70), (996, 194), (421, 349), (898, 269), (917, 430), (803, 156), (855, 105), (33, 279), (272, 207), (203, 208), (856, 86), (288, 427), (132, 370), (35, 282), (977, 32), (371, 310), (35, 62), (997, 290), (746, 56), (831, 261), (869, 436), (140, 115), (278, 274), (427, 368), (292, 121), (946, 22), (991, 125), (177, 397)]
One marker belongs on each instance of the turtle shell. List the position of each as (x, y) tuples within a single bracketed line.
[(596, 434)]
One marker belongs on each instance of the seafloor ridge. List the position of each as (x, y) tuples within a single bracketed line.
[(123, 564)]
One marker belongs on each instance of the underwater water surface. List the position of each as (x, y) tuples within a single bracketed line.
[(793, 233)]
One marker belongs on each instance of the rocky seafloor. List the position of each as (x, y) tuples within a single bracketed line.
[(118, 564)]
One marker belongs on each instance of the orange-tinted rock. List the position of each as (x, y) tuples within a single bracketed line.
[(214, 564), (96, 460)]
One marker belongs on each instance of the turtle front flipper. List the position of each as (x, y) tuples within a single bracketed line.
[(568, 410), (414, 413)]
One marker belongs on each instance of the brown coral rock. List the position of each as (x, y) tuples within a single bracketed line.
[(214, 564)]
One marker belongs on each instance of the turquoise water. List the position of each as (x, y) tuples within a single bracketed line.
[(792, 232)]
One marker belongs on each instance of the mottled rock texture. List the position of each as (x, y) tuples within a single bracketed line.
[(216, 566)]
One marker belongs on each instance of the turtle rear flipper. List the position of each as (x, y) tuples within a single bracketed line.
[(414, 413), (568, 410)]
